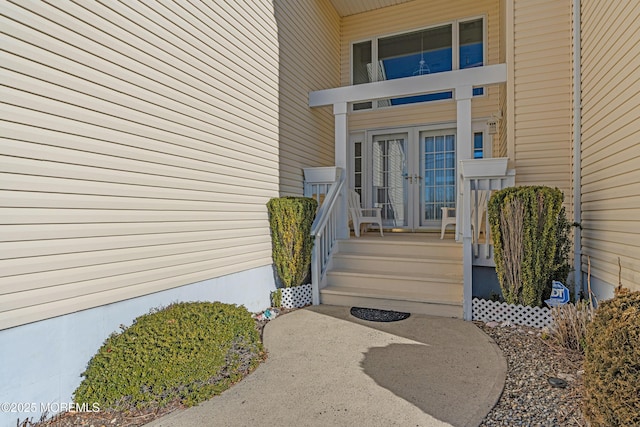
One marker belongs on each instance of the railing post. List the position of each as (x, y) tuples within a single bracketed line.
[(324, 228), (341, 160), (467, 255)]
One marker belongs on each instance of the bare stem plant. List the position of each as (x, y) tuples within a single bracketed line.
[(570, 320), (512, 223)]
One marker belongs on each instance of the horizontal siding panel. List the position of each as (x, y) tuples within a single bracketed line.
[(622, 166), (624, 204), (309, 40), (616, 127), (24, 199), (191, 137), (629, 215), (191, 49), (605, 42), (604, 266), (17, 234), (85, 254), (189, 179), (54, 247), (617, 240), (27, 183), (611, 131), (77, 63), (43, 128), (627, 88), (67, 216), (542, 94), (141, 142), (534, 135), (130, 96), (56, 306), (143, 269), (624, 189), (606, 227)]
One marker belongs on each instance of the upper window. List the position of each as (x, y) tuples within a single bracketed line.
[(427, 51)]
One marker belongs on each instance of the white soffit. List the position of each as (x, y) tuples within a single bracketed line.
[(352, 7)]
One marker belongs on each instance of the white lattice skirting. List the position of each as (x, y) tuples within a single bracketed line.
[(493, 311), (296, 296)]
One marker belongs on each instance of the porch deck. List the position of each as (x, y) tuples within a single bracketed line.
[(413, 272)]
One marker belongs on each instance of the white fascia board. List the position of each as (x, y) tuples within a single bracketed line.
[(408, 86)]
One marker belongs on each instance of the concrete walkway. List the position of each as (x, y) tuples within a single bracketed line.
[(327, 368)]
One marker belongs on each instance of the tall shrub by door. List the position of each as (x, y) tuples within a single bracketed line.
[(527, 224), (290, 219)]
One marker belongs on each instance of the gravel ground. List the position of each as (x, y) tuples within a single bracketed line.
[(528, 399)]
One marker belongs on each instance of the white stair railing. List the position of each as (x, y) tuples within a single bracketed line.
[(324, 231), (473, 183)]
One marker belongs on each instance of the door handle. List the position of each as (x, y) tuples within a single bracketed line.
[(408, 177)]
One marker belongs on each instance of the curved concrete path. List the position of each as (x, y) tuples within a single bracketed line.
[(327, 368)]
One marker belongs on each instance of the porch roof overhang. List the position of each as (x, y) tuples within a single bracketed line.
[(408, 86)]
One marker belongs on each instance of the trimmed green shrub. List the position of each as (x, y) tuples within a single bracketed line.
[(527, 225), (290, 219), (276, 298), (186, 351), (612, 363)]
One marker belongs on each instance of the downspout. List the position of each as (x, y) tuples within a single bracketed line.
[(577, 152)]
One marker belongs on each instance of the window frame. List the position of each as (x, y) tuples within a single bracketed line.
[(455, 55)]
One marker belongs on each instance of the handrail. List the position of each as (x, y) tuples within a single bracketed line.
[(324, 232)]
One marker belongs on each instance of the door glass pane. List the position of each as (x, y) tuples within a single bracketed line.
[(389, 179), (438, 170), (420, 52)]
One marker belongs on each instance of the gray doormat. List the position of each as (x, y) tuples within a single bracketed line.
[(375, 315)]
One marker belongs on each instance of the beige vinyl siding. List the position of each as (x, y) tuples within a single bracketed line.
[(140, 144), (542, 71), (500, 141), (309, 40), (413, 15), (611, 140)]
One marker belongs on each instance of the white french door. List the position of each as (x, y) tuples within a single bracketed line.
[(389, 171), (410, 174), (438, 172)]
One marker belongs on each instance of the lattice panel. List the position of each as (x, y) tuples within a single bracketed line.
[(297, 296), (493, 311)]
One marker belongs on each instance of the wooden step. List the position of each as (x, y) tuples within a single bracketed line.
[(401, 247), (409, 265), (406, 302), (405, 272), (436, 287)]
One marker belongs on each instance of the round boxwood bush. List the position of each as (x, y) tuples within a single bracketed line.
[(612, 363), (186, 351)]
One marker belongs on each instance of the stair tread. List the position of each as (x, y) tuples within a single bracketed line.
[(392, 294), (452, 278), (392, 257)]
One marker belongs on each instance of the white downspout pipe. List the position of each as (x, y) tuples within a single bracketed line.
[(577, 151)]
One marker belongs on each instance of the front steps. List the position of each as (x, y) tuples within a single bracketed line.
[(416, 273)]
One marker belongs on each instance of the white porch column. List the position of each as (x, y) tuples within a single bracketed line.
[(341, 160), (464, 150), (463, 141)]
